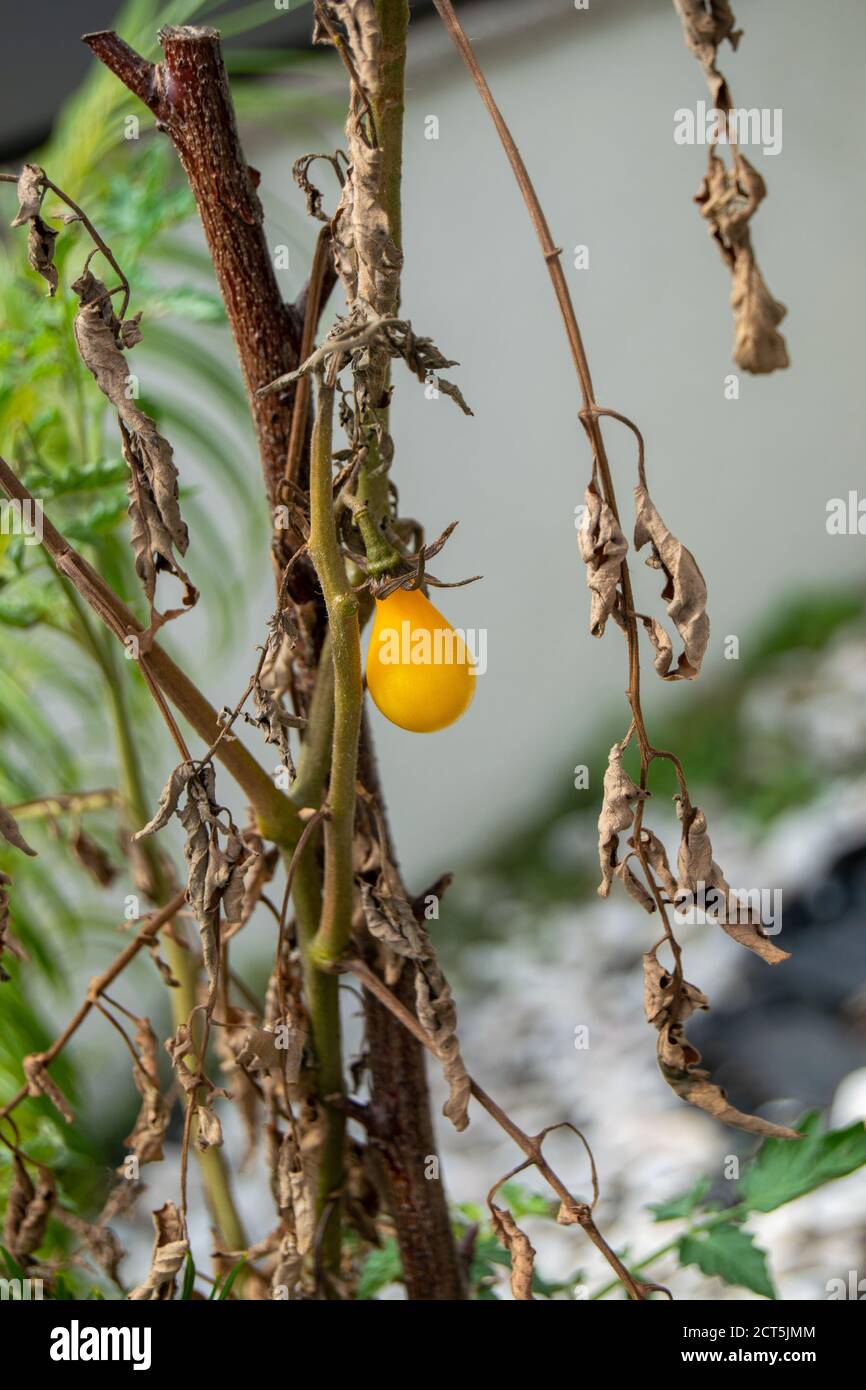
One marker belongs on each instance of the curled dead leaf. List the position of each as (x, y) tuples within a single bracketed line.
[(603, 548), (40, 1083), (208, 1131), (684, 592), (28, 1206), (699, 875), (159, 533), (169, 1252), (668, 1004), (616, 814), (145, 1139), (517, 1244), (11, 833), (390, 919), (728, 199)]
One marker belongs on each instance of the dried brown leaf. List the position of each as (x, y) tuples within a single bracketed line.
[(10, 832), (517, 1244), (275, 721), (40, 1083), (633, 885), (8, 941), (145, 1139), (685, 591), (668, 1006), (706, 25), (169, 799), (31, 191), (656, 856), (294, 1194), (728, 199), (40, 252), (258, 1049), (28, 1207), (159, 533), (699, 873), (209, 1133), (390, 919), (169, 1252), (603, 549), (98, 1238), (181, 1051), (92, 858), (616, 814)]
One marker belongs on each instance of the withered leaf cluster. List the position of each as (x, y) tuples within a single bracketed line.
[(40, 237), (684, 592), (603, 549), (669, 1002), (728, 199), (159, 534), (390, 919), (699, 873), (145, 1139), (275, 721), (706, 25), (668, 999), (518, 1245), (170, 1247), (621, 793), (216, 870), (28, 1207)]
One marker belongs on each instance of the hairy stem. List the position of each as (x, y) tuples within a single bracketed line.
[(335, 927)]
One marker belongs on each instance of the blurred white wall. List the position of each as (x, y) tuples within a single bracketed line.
[(591, 96)]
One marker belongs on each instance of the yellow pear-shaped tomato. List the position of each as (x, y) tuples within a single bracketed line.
[(419, 670)]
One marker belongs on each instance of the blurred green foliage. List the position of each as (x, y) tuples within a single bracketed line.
[(66, 694)]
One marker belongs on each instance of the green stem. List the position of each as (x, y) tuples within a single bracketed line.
[(335, 925), (381, 555), (393, 17), (388, 107), (323, 907)]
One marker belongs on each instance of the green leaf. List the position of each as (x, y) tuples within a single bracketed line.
[(380, 1268), (188, 1278), (784, 1169), (683, 1205), (524, 1202), (728, 1252), (230, 1279), (12, 1265)]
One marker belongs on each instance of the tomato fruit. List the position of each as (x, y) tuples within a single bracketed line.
[(420, 673)]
